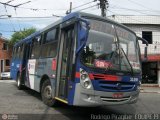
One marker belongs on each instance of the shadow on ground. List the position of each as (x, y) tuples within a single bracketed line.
[(79, 113)]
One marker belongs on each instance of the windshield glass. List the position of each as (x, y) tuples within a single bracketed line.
[(111, 47)]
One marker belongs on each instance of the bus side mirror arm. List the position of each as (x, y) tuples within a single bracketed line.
[(146, 47)]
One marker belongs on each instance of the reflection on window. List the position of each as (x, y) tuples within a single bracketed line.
[(100, 46), (51, 35), (21, 51), (49, 50), (36, 47)]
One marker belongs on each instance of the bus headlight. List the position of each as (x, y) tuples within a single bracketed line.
[(83, 76), (85, 80), (87, 84), (82, 71)]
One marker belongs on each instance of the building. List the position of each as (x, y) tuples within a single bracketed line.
[(5, 55), (147, 27)]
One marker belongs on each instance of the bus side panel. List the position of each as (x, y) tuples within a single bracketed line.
[(37, 68), (15, 66), (31, 71)]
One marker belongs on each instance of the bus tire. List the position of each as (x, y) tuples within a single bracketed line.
[(19, 83), (46, 94)]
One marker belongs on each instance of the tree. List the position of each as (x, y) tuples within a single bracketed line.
[(17, 36)]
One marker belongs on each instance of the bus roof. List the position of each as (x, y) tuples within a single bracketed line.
[(65, 18)]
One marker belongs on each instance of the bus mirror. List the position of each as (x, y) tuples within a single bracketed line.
[(145, 48), (84, 29), (145, 52), (83, 33)]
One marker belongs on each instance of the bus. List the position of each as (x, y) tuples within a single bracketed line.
[(81, 60)]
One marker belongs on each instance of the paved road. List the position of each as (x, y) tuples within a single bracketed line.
[(27, 104)]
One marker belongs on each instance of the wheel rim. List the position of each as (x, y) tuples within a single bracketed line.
[(48, 92), (18, 81)]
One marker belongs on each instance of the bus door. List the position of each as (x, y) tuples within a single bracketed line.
[(25, 58), (65, 59)]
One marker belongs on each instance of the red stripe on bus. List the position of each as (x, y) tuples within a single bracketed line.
[(77, 75), (91, 76), (100, 77), (106, 77)]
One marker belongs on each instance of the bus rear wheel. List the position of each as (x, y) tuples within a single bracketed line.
[(19, 83), (46, 94)]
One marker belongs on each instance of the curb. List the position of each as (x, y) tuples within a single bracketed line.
[(150, 85), (142, 91)]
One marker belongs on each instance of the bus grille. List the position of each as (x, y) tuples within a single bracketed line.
[(116, 85), (112, 83), (108, 99)]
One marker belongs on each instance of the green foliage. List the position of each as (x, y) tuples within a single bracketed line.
[(17, 36)]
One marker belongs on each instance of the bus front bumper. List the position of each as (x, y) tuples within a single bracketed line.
[(84, 97)]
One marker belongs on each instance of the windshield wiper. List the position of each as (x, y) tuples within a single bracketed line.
[(127, 60), (119, 51), (118, 47), (123, 52)]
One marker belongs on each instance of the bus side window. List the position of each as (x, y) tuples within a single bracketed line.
[(35, 47), (17, 52), (13, 53), (50, 43), (21, 52)]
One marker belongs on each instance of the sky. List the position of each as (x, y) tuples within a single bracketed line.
[(39, 13)]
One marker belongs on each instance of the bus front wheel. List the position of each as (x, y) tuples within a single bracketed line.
[(46, 93)]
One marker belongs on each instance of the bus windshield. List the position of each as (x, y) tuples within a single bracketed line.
[(111, 47)]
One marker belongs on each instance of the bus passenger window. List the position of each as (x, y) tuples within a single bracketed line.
[(18, 52), (36, 47), (21, 52), (50, 36), (50, 43), (13, 53)]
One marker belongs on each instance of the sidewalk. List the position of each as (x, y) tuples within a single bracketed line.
[(150, 89)]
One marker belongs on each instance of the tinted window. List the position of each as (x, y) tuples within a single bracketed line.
[(13, 53), (18, 51), (21, 51), (50, 43), (36, 47), (49, 50), (51, 35)]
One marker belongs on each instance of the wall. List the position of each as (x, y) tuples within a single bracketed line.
[(5, 54), (152, 48), (158, 73)]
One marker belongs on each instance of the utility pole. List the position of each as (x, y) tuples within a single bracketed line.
[(70, 9), (104, 5)]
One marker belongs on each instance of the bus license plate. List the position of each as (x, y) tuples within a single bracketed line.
[(117, 95)]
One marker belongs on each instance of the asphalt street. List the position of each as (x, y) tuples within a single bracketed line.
[(27, 104)]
